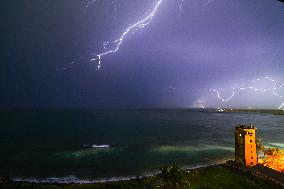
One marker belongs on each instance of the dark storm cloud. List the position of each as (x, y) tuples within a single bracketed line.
[(173, 62)]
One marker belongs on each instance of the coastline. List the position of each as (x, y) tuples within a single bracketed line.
[(71, 179), (213, 176)]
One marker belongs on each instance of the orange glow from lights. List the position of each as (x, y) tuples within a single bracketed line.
[(274, 159)]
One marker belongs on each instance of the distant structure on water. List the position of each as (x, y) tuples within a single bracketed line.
[(245, 145)]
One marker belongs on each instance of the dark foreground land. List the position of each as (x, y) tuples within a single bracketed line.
[(212, 177)]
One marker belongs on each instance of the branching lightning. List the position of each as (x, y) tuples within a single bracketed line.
[(89, 2), (218, 91), (66, 66), (180, 6), (132, 28), (272, 89), (281, 107), (110, 47)]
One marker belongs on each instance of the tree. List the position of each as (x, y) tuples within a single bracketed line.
[(259, 145), (174, 178)]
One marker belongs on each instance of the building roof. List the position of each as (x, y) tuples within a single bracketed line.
[(245, 127)]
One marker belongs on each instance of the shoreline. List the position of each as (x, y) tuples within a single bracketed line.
[(213, 176), (71, 179)]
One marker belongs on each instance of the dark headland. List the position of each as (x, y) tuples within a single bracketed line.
[(240, 110)]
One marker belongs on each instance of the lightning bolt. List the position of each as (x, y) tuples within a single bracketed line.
[(218, 91), (116, 44), (132, 28), (89, 2), (65, 67), (272, 89), (180, 6), (281, 107)]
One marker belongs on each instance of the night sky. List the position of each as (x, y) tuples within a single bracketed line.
[(173, 62)]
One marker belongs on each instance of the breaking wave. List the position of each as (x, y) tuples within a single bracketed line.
[(69, 180), (96, 146), (280, 145), (197, 148), (75, 180)]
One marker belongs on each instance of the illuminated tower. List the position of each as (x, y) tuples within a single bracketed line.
[(245, 145)]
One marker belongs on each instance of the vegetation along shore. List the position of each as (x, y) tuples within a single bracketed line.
[(228, 175)]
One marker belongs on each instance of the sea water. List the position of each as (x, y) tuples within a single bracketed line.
[(90, 144)]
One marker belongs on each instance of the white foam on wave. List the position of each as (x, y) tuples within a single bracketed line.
[(87, 150), (280, 145), (96, 146), (75, 180), (70, 180), (166, 149), (100, 146)]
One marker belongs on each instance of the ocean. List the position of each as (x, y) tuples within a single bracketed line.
[(86, 144)]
